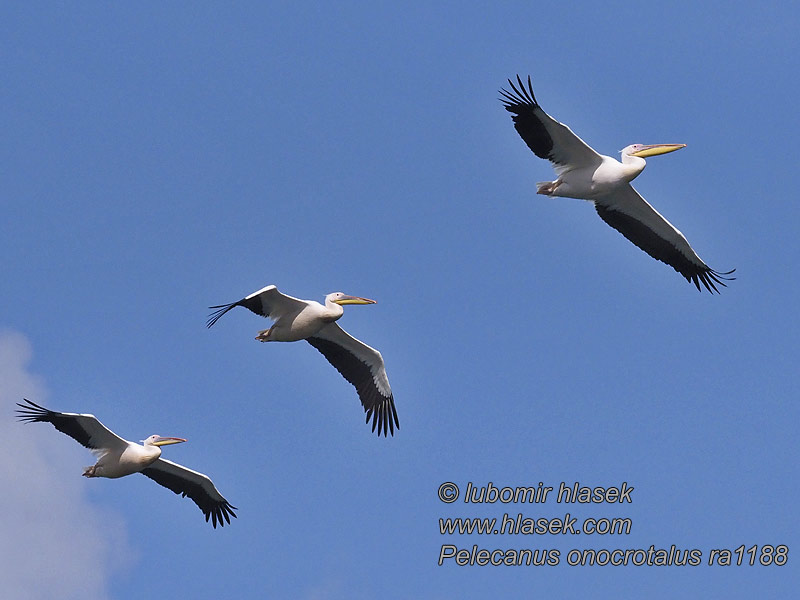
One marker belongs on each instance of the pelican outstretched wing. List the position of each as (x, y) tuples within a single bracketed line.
[(197, 486), (631, 215), (545, 136), (267, 302), (362, 366), (87, 430)]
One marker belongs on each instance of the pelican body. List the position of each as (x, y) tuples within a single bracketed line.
[(121, 460), (118, 458), (306, 319), (596, 181), (584, 174), (295, 319)]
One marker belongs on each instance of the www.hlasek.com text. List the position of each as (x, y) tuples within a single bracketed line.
[(519, 524)]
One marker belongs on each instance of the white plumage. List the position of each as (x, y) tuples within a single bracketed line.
[(117, 457), (585, 174), (295, 319)]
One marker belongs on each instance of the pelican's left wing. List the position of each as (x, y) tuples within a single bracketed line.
[(362, 366), (197, 486), (631, 215), (267, 302), (545, 136), (87, 430)]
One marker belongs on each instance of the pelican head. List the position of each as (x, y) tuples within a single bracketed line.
[(157, 440), (342, 299), (645, 150)]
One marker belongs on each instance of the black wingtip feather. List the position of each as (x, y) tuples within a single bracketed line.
[(522, 105), (520, 96), (221, 310), (32, 412), (709, 278), (220, 514), (251, 303)]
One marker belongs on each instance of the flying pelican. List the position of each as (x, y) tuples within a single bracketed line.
[(118, 457), (585, 174), (296, 319)]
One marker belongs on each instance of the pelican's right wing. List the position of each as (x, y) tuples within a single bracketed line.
[(87, 430), (631, 215), (362, 366), (197, 486), (545, 136), (267, 302)]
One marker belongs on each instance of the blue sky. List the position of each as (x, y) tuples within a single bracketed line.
[(161, 159)]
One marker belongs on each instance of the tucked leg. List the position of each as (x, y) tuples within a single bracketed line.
[(548, 188)]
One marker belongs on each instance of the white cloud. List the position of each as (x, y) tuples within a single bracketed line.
[(54, 542)]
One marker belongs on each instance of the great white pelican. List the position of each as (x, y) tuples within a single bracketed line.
[(583, 173), (295, 319), (118, 458)]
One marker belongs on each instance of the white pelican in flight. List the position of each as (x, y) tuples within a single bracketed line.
[(118, 457), (585, 174), (295, 319)]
